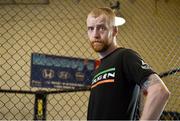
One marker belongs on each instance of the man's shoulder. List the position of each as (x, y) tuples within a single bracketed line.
[(126, 51)]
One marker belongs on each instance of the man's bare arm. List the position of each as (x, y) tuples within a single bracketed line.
[(157, 95)]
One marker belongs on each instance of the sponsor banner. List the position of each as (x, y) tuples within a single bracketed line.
[(52, 71)]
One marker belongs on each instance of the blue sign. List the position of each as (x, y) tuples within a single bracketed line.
[(51, 71)]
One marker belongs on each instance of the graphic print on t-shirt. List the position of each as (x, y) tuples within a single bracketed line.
[(105, 76), (144, 65)]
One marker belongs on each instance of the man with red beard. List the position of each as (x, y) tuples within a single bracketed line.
[(120, 76)]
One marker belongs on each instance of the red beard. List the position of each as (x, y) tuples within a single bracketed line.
[(99, 46)]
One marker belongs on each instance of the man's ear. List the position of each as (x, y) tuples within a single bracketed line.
[(115, 30)]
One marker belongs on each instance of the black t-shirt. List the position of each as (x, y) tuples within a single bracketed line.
[(115, 86)]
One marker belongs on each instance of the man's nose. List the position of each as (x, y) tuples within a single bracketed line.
[(96, 34)]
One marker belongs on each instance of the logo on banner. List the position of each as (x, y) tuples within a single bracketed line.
[(64, 75), (47, 73)]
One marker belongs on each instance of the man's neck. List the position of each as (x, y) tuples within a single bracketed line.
[(108, 51)]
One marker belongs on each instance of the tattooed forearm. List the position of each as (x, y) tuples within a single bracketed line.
[(153, 79)]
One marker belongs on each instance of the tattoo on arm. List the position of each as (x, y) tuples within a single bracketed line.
[(153, 79)]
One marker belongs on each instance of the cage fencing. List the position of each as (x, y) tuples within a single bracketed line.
[(58, 27)]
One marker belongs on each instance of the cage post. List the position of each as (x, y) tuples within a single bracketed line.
[(40, 105)]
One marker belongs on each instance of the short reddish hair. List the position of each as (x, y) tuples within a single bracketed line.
[(108, 12)]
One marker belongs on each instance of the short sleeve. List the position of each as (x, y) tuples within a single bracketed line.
[(135, 68)]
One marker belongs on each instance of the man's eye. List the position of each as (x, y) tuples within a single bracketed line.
[(102, 28), (90, 28)]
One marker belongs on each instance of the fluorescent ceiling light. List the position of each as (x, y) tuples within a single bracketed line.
[(119, 21)]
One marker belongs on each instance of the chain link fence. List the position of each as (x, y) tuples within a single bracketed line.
[(58, 27)]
